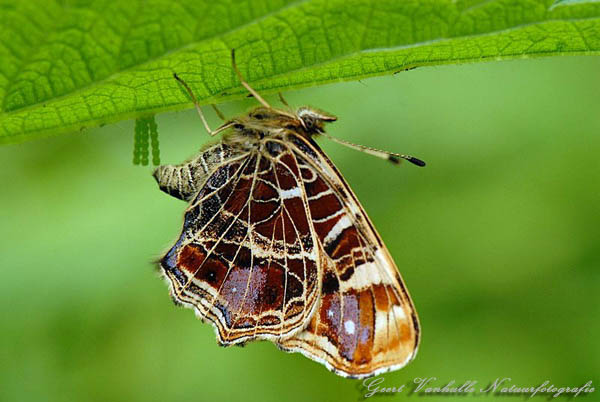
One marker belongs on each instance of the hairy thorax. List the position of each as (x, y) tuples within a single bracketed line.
[(262, 128)]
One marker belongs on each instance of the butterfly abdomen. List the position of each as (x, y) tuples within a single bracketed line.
[(185, 180)]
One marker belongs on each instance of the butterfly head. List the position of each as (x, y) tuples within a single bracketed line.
[(313, 120)]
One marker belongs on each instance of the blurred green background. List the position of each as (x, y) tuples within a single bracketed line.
[(498, 239)]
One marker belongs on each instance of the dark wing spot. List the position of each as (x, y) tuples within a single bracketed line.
[(330, 283), (210, 276), (347, 274), (271, 294)]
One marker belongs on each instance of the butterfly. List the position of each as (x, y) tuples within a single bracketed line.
[(275, 245)]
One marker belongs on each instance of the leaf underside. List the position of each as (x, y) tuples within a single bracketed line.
[(76, 64)]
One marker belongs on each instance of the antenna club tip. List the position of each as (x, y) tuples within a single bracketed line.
[(416, 161), (396, 160)]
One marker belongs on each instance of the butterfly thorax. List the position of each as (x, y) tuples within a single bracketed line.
[(261, 123)]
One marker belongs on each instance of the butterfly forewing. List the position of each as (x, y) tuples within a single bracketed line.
[(365, 322), (246, 259)]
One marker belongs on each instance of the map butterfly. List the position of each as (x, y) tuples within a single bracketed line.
[(276, 246)]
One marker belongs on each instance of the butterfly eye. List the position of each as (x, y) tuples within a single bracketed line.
[(259, 116), (238, 126), (308, 122)]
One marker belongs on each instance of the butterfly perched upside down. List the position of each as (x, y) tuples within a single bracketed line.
[(276, 246)]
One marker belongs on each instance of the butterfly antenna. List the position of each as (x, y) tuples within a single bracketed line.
[(389, 156)]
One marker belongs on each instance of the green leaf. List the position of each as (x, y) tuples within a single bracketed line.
[(568, 2), (71, 64)]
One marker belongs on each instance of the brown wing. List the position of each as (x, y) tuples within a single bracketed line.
[(365, 323), (241, 261)]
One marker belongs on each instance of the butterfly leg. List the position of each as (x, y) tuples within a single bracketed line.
[(197, 105), (256, 94), (245, 84), (282, 99), (218, 112)]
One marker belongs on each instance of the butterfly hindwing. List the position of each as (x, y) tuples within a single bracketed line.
[(246, 258)]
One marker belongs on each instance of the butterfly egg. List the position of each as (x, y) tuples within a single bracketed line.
[(154, 141)]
